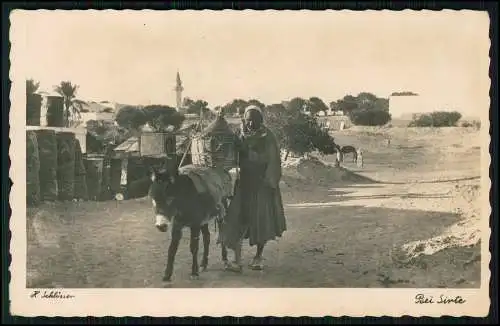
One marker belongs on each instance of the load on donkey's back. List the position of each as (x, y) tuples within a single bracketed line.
[(214, 163)]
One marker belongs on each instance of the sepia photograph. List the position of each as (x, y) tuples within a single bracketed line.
[(249, 163)]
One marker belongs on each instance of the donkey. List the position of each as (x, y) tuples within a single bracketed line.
[(178, 204), (350, 149)]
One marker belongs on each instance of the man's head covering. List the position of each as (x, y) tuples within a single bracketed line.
[(260, 117), (253, 107)]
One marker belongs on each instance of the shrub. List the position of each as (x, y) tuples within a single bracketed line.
[(323, 142), (424, 120), (102, 135), (373, 117), (297, 132), (474, 124), (436, 119), (445, 119)]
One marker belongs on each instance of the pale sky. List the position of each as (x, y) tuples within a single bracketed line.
[(133, 56)]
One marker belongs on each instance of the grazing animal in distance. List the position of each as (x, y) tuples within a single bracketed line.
[(178, 203), (349, 149)]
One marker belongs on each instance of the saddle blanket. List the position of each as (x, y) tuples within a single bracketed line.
[(219, 183)]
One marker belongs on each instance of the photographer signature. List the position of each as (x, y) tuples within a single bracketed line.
[(50, 295), (442, 299)]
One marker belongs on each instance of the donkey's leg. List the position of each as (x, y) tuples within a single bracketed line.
[(224, 253), (220, 225), (172, 250), (205, 233), (194, 246), (220, 221)]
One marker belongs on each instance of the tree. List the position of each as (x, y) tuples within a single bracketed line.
[(237, 106), (162, 117), (31, 86), (333, 105), (316, 105), (297, 104), (131, 117), (367, 117), (103, 135), (195, 107), (275, 119), (234, 106), (382, 104), (405, 93), (347, 104), (296, 131), (365, 109), (72, 106), (365, 97)]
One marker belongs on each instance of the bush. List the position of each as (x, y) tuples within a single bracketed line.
[(323, 142), (468, 124), (297, 132), (373, 117), (103, 135), (445, 119), (436, 119), (424, 120)]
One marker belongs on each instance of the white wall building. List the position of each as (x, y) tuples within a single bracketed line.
[(404, 105)]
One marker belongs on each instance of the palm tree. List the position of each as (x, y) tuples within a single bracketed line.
[(31, 86), (71, 105)]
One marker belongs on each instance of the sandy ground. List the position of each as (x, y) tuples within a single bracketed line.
[(411, 228)]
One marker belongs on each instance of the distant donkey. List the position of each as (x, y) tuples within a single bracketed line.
[(178, 202), (349, 149)]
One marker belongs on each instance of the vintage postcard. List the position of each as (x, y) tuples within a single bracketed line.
[(249, 163)]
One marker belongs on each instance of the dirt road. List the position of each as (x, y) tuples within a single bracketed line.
[(341, 233), (343, 239)]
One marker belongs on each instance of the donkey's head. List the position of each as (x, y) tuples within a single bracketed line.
[(162, 193)]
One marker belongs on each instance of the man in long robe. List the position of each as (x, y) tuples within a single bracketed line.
[(256, 211)]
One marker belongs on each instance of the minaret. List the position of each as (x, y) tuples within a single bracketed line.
[(178, 91)]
